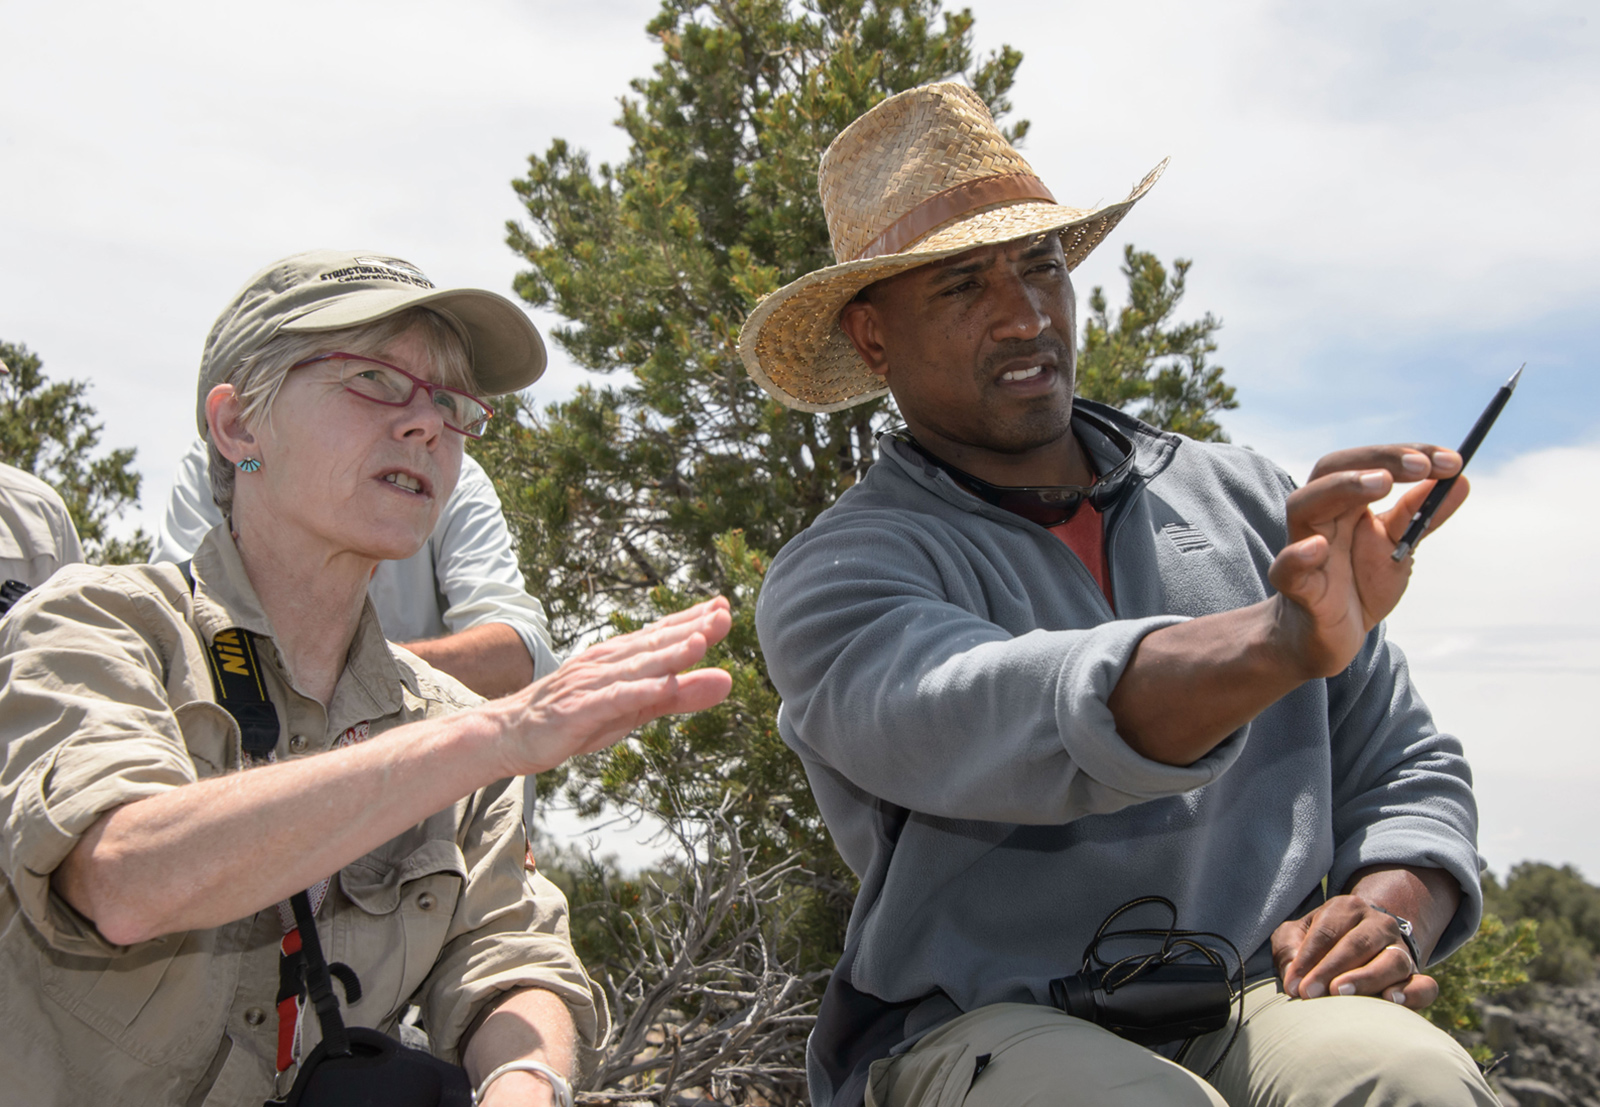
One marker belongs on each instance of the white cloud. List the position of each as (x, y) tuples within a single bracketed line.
[(155, 158), (1502, 626)]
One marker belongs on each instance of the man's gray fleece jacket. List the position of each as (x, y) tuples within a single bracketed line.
[(945, 667)]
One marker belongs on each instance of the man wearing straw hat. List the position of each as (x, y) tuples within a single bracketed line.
[(1045, 660)]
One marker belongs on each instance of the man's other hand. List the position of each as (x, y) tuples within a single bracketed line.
[(1337, 573), (1349, 947)]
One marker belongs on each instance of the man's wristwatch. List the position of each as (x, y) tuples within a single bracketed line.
[(1405, 936)]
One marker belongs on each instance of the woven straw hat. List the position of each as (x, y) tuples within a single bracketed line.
[(924, 175)]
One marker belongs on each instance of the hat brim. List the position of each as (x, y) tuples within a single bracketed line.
[(792, 344), (504, 347)]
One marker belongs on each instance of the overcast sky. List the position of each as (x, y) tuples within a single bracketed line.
[(1390, 205)]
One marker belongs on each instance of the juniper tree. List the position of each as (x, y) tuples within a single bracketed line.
[(1141, 357)]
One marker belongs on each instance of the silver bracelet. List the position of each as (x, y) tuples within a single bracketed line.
[(558, 1083)]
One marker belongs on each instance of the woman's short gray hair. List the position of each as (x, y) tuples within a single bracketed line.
[(257, 379)]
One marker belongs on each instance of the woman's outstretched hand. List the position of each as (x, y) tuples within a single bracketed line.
[(188, 858), (604, 693)]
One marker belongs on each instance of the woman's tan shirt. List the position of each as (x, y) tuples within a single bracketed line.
[(105, 698)]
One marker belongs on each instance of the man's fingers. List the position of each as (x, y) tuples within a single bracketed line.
[(1322, 502), (1398, 517), (1404, 461), (1348, 947), (1286, 941), (1330, 943), (1295, 571), (1416, 993), (1325, 930), (1385, 972)]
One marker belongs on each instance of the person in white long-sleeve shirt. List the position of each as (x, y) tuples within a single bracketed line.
[(459, 603), (36, 532)]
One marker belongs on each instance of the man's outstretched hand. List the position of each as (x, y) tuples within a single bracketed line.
[(1188, 686), (1337, 571)]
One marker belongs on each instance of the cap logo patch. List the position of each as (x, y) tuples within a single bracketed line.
[(379, 269)]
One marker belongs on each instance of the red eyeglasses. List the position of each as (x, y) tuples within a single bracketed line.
[(392, 386)]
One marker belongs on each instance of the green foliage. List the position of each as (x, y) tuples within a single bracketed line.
[(1567, 909), (1141, 358), (1495, 959), (49, 428), (1553, 939)]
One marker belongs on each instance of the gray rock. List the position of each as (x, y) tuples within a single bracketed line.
[(1499, 1028), (1534, 1093), (1549, 1044)]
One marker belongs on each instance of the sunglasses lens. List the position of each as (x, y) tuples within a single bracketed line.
[(1047, 511)]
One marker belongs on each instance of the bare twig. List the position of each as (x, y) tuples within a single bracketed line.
[(707, 1010)]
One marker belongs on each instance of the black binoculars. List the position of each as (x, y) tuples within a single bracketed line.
[(1156, 1003)]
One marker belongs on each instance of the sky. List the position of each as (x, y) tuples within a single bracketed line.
[(1389, 205)]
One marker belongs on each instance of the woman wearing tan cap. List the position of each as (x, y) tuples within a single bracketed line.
[(201, 759)]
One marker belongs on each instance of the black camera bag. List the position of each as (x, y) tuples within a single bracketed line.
[(357, 1066)]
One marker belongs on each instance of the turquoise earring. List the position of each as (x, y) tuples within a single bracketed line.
[(248, 465)]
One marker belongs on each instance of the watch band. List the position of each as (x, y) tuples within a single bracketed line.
[(1406, 936)]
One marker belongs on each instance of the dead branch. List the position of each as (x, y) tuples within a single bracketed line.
[(707, 1010)]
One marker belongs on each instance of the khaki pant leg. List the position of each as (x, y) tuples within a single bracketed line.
[(1339, 1051), (1038, 1057)]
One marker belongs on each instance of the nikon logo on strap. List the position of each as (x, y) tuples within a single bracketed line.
[(236, 678), (232, 656), (236, 675)]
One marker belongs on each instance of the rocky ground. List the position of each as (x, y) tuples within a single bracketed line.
[(1549, 1041)]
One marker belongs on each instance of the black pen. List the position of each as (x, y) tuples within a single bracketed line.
[(1424, 516)]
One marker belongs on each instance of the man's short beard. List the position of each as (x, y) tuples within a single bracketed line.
[(1036, 430), (1045, 423)]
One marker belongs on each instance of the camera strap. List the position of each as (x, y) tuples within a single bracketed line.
[(10, 592), (319, 979), (236, 679)]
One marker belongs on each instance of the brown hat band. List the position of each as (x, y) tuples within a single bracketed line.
[(942, 207)]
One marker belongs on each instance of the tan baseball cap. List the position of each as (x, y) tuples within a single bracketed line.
[(325, 290)]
